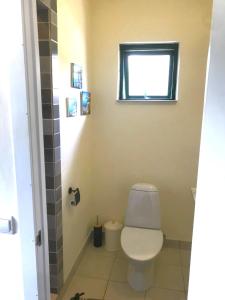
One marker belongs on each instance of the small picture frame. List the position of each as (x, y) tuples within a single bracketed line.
[(71, 107), (76, 76), (85, 101)]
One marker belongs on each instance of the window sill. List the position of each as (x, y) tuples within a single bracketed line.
[(145, 101)]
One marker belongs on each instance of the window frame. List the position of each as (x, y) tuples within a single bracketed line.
[(126, 50)]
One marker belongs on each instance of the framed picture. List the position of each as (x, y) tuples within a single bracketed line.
[(76, 76), (85, 99), (71, 107)]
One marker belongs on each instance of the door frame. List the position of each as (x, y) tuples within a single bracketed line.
[(34, 103)]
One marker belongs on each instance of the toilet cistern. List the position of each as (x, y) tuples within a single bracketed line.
[(142, 238)]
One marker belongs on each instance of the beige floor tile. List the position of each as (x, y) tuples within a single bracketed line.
[(119, 270), (122, 291), (96, 266), (185, 272), (164, 294), (92, 287), (185, 257), (120, 254), (169, 256), (99, 251), (169, 277)]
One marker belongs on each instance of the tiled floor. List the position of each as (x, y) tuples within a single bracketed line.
[(102, 275)]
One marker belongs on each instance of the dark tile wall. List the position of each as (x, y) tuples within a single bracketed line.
[(48, 49)]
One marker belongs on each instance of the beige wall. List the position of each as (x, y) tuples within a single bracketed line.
[(157, 142), (75, 132), (120, 144)]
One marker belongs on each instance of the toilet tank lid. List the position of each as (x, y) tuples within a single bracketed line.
[(146, 187)]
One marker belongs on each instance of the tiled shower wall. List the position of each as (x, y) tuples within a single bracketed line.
[(48, 50)]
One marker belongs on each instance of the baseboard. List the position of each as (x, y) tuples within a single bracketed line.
[(74, 268)]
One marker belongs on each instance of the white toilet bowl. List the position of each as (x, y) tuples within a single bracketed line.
[(141, 247), (141, 238)]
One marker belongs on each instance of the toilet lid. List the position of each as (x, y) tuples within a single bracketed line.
[(141, 244)]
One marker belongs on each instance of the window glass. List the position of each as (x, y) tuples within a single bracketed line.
[(148, 74)]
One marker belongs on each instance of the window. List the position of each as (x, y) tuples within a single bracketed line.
[(148, 71)]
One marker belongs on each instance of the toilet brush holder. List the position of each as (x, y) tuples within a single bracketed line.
[(97, 240)]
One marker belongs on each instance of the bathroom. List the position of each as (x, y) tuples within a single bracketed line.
[(120, 144)]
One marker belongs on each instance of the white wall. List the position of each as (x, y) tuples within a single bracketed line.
[(157, 142), (208, 260)]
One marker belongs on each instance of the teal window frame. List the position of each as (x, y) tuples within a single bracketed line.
[(126, 50)]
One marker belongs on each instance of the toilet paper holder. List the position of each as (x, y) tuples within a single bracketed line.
[(76, 196)]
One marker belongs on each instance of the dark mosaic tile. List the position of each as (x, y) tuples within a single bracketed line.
[(43, 15), (50, 182), (55, 245), (56, 126), (48, 126), (46, 81), (51, 221), (53, 18), (53, 33), (55, 111), (52, 246), (57, 154), (55, 234), (52, 258), (47, 111), (53, 182), (51, 127), (46, 96), (57, 168), (49, 155), (53, 269), (44, 48), (56, 282), (54, 208), (54, 5), (45, 63), (58, 181), (41, 5), (46, 2), (52, 141), (56, 140), (60, 280), (52, 155), (50, 169), (54, 195), (50, 195), (58, 193), (44, 31), (59, 243)]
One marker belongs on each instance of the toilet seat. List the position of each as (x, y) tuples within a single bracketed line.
[(141, 244)]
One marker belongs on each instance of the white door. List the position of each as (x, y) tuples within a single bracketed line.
[(208, 250), (23, 264)]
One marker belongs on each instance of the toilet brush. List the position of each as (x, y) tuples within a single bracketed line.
[(97, 233)]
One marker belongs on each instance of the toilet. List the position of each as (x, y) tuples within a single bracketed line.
[(141, 237)]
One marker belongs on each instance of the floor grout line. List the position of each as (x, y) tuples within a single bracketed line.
[(114, 258), (110, 275)]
